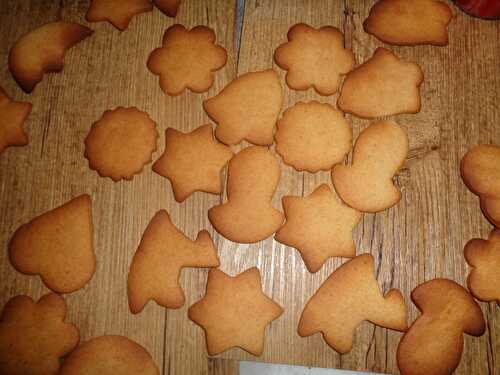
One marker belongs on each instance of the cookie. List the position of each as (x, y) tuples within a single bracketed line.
[(187, 59), (121, 143), (34, 336), (12, 117), (57, 246), (379, 153), (168, 7), (313, 136), (156, 267), (42, 51), (484, 258), (408, 23), (433, 344), (193, 161), (248, 215), (109, 355), (347, 298), (319, 226), (234, 312), (117, 12), (480, 169), (314, 58), (247, 108), (382, 86)]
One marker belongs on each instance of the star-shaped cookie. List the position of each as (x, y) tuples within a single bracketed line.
[(118, 12), (34, 335), (12, 116), (319, 227), (234, 312), (484, 258), (193, 161), (163, 252)]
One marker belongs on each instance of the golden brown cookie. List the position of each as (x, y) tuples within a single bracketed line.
[(348, 297), (314, 58), (433, 344), (248, 215), (234, 312), (319, 226), (42, 51), (480, 169), (187, 59), (169, 7), (12, 117), (118, 12), (156, 267), (121, 143), (484, 258), (57, 246), (34, 336), (382, 86), (247, 108), (379, 153), (313, 136), (193, 161), (109, 355), (409, 22)]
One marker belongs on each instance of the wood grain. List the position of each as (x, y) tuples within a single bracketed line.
[(419, 239)]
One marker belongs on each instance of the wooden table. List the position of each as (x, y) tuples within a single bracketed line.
[(419, 239)]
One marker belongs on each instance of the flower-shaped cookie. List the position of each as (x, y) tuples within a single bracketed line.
[(314, 58), (187, 59)]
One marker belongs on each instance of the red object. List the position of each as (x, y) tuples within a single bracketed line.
[(489, 9)]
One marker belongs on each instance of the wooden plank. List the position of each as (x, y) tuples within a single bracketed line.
[(419, 239)]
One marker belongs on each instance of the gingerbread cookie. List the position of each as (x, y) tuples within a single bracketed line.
[(433, 344), (169, 7), (480, 169), (247, 108), (313, 136), (118, 12), (187, 59), (319, 227), (34, 336), (382, 86), (57, 246), (234, 312), (121, 143), (12, 117), (42, 51), (248, 215), (155, 270), (379, 153), (348, 297), (193, 161), (408, 23), (109, 355), (314, 58), (484, 258)]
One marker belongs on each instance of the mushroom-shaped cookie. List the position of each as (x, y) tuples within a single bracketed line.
[(433, 344), (187, 59), (480, 169), (42, 51), (484, 258), (248, 215), (379, 153)]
